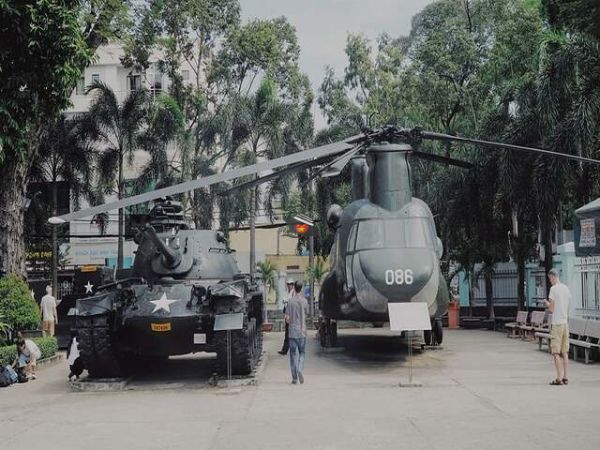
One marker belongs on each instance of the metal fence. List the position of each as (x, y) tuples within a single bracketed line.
[(504, 287), (589, 272)]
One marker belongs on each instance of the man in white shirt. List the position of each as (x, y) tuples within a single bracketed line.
[(286, 339), (558, 304), (49, 315)]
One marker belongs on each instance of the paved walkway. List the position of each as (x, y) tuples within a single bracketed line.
[(482, 391)]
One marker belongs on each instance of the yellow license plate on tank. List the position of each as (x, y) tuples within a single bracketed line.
[(161, 326)]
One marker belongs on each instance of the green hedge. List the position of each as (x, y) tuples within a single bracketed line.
[(48, 346), (17, 307)]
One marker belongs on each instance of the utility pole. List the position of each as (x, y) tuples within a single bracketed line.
[(311, 260)]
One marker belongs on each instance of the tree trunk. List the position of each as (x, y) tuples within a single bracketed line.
[(472, 282), (121, 216), (54, 240), (521, 281), (489, 293), (13, 183)]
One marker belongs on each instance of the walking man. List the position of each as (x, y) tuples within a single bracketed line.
[(297, 309), (49, 315), (558, 305), (286, 339)]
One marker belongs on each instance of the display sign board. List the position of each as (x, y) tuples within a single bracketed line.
[(409, 316), (234, 321), (587, 236)]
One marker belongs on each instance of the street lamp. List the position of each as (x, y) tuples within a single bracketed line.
[(304, 226)]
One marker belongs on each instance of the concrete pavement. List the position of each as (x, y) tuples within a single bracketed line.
[(481, 391)]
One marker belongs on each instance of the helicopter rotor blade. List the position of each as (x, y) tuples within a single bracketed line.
[(337, 165), (441, 159), (540, 151), (334, 168), (274, 175), (317, 152)]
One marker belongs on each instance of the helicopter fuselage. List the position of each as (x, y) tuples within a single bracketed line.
[(380, 257)]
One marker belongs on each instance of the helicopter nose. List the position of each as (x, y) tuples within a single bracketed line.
[(398, 274)]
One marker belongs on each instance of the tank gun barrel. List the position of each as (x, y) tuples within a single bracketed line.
[(171, 257)]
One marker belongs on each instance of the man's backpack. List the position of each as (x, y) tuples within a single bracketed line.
[(22, 376)]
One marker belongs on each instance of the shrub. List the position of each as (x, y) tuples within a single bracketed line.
[(48, 346), (17, 306)]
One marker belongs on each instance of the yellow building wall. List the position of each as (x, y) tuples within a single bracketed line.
[(266, 241)]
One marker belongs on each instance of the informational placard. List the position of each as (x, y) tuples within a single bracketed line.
[(409, 316), (587, 237), (233, 321)]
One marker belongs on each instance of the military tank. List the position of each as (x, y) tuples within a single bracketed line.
[(181, 280)]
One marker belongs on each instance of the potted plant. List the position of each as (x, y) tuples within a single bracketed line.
[(267, 272)]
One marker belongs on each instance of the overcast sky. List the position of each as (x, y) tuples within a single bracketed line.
[(322, 27)]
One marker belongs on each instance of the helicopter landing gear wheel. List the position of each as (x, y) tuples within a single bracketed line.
[(437, 331), (328, 333), (427, 336)]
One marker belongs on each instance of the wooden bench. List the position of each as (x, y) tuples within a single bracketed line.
[(585, 334), (536, 321), (513, 328), (545, 326)]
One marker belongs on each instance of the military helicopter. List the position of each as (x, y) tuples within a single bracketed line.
[(386, 248)]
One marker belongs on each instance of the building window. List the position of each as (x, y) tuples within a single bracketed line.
[(185, 75), (135, 82), (155, 79), (80, 88), (96, 78)]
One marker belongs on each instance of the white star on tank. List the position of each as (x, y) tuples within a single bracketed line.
[(88, 287), (162, 303)]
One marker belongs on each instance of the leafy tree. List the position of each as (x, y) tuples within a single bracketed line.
[(227, 61), (57, 39), (36, 37)]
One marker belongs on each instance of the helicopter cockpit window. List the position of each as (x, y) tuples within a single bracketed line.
[(394, 233), (370, 235)]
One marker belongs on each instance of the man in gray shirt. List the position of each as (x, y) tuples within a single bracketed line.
[(296, 319)]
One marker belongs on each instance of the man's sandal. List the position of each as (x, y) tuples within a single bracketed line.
[(565, 381), (556, 382)]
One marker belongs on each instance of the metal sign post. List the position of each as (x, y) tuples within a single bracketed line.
[(409, 317), (228, 322)]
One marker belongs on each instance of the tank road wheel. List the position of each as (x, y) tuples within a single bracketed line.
[(96, 347), (438, 331), (246, 347)]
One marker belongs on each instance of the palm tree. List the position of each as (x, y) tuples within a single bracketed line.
[(64, 155), (119, 130), (260, 120)]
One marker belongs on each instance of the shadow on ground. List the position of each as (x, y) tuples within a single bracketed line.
[(372, 350)]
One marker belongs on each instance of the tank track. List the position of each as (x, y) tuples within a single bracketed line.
[(96, 347), (246, 346)]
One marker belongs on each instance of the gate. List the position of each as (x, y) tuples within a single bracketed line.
[(588, 269), (504, 286)]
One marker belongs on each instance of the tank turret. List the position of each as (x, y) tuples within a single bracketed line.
[(171, 257)]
